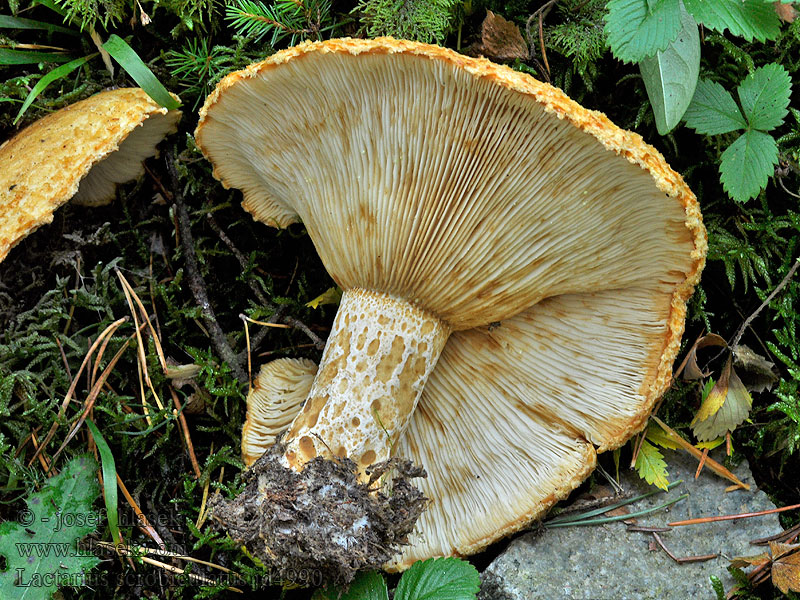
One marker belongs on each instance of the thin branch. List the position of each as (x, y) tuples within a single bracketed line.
[(684, 559), (749, 319), (195, 279)]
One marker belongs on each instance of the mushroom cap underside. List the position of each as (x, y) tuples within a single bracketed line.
[(468, 189), (513, 415), (80, 151)]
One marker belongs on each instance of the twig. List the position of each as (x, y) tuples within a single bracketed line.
[(749, 319), (195, 279), (733, 517), (684, 559), (789, 534)]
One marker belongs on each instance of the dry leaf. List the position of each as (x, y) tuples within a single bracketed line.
[(692, 371), (786, 569), (754, 370), (618, 512), (741, 562), (786, 12), (501, 40)]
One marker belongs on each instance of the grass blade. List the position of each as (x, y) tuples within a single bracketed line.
[(25, 57), (9, 22), (604, 520), (109, 481), (605, 509), (140, 72), (52, 76)]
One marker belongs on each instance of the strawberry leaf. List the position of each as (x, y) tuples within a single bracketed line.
[(764, 95), (713, 110), (746, 18), (637, 29), (747, 164)]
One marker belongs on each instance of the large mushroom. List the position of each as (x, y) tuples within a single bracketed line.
[(80, 152), (515, 271)]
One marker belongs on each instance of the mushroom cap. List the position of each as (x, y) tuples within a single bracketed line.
[(273, 402), (559, 248), (466, 188), (81, 151)]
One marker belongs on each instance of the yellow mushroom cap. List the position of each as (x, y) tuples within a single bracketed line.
[(82, 151)]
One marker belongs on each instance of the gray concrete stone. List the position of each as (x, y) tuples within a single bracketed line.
[(606, 562)]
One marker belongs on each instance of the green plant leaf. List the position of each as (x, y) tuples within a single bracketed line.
[(366, 586), (41, 550), (764, 95), (9, 22), (439, 579), (651, 466), (747, 164), (713, 110), (746, 18), (670, 76), (52, 76), (140, 72), (10, 56), (637, 29), (109, 481), (658, 436)]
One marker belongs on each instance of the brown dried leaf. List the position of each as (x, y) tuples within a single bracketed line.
[(617, 512), (786, 571), (779, 549), (755, 370), (692, 371), (786, 12), (741, 562), (501, 40)]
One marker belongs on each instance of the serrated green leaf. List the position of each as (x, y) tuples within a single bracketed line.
[(764, 95), (732, 411), (41, 550), (670, 77), (139, 72), (747, 164), (637, 29), (439, 579), (746, 18), (658, 436), (651, 466), (366, 586), (713, 110)]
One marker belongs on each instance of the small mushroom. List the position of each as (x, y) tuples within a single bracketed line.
[(275, 398), (515, 269), (80, 152)]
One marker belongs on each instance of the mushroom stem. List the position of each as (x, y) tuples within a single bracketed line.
[(378, 357)]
